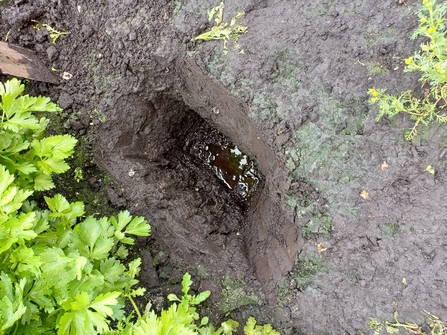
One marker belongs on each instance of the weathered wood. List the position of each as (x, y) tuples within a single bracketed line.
[(21, 62)]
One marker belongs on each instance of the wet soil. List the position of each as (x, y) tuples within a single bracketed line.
[(346, 223)]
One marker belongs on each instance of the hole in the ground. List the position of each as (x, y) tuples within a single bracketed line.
[(208, 203), (190, 181)]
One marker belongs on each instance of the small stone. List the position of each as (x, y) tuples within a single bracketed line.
[(76, 125), (65, 101), (41, 35), (115, 198), (52, 53)]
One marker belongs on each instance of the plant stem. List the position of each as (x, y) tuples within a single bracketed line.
[(134, 306)]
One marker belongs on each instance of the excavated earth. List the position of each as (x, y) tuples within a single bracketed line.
[(342, 222)]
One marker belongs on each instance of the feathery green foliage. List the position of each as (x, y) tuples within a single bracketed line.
[(431, 62)]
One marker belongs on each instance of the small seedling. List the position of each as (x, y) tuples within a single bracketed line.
[(78, 174), (54, 34), (431, 61), (223, 31)]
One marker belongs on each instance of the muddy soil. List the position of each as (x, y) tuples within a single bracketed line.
[(346, 223)]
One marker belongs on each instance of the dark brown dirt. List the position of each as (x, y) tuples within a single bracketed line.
[(295, 102)]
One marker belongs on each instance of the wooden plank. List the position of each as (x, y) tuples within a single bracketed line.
[(21, 62)]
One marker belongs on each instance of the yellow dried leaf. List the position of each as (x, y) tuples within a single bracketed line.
[(364, 194), (430, 169), (321, 247)]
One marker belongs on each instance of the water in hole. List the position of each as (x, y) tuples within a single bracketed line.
[(229, 164)]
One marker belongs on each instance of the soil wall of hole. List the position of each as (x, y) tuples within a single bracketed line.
[(273, 236), (193, 216)]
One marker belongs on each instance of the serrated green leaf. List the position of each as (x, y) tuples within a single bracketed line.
[(103, 301), (43, 182), (186, 283), (58, 147), (96, 323), (11, 304), (13, 199), (9, 91), (25, 168), (36, 104), (81, 320), (6, 179), (111, 269), (200, 297), (122, 252), (51, 165), (229, 327), (124, 218), (69, 322), (5, 140), (7, 196), (252, 329), (21, 120), (134, 268), (92, 281), (139, 292), (57, 204), (171, 322), (61, 268), (61, 208), (24, 262), (16, 229), (81, 302), (41, 293), (87, 238), (173, 297), (138, 226)]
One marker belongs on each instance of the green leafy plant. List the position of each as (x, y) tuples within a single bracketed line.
[(252, 329), (23, 150), (431, 62), (223, 31), (436, 326), (57, 273)]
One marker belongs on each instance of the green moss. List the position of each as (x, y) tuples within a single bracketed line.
[(324, 150), (177, 6), (377, 69), (305, 271), (235, 294), (287, 68), (380, 37), (391, 229), (318, 224), (91, 188), (323, 7)]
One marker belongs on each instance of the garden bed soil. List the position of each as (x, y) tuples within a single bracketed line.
[(346, 223)]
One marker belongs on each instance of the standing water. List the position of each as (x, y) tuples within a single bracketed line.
[(230, 165)]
